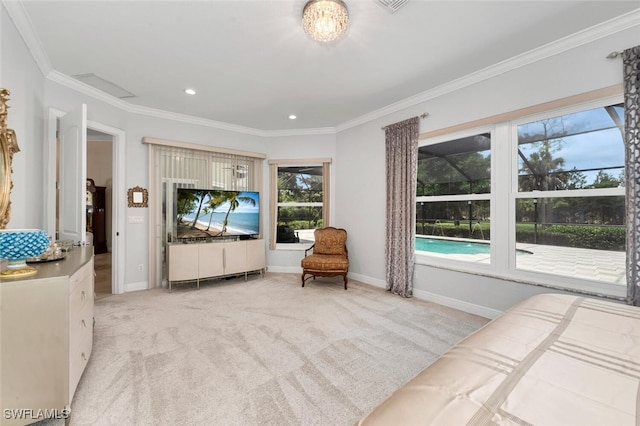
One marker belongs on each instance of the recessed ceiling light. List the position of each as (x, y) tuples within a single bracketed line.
[(292, 117), (189, 91)]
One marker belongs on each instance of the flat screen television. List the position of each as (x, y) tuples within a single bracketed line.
[(211, 213)]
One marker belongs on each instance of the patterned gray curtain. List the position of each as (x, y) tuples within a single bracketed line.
[(631, 67), (401, 164)]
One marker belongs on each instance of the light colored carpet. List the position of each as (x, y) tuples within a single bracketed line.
[(262, 352)]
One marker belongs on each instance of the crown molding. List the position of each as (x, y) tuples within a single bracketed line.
[(78, 86), (23, 23), (91, 91), (612, 26), (302, 132)]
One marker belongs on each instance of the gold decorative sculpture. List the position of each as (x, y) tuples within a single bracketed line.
[(8, 146)]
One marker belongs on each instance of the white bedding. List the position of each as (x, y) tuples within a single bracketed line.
[(550, 360)]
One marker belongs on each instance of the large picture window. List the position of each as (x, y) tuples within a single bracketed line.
[(546, 190)]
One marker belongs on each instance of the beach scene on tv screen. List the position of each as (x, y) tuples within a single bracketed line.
[(216, 213)]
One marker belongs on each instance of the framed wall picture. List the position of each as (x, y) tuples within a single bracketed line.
[(138, 197)]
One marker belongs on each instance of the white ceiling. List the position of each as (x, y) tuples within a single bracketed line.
[(252, 65)]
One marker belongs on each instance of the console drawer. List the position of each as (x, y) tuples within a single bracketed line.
[(80, 344)]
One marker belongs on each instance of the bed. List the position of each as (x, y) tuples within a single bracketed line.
[(550, 360)]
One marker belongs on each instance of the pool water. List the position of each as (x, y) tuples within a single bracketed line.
[(436, 245)]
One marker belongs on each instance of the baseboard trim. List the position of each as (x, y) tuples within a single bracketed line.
[(460, 305), (143, 285), (285, 269), (471, 308), (368, 280)]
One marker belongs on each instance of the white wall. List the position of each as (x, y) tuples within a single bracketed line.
[(358, 193), (361, 190), (21, 76)]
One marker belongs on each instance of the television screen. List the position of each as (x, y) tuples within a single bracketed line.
[(206, 213)]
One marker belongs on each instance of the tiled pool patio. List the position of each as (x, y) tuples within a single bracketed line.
[(600, 265)]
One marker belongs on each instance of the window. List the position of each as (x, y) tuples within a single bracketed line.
[(453, 198), (299, 200), (570, 205), (547, 191)]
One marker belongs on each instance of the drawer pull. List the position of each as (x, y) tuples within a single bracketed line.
[(83, 356), (83, 295), (84, 324)]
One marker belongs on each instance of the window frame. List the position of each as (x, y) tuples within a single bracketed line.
[(274, 165), (425, 258), (505, 192)]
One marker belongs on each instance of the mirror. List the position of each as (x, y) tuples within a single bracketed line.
[(8, 146), (137, 197)]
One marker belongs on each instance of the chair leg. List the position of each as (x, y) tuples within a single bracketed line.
[(345, 281), (303, 274)]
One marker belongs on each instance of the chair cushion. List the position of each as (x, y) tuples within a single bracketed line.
[(330, 241), (325, 262)]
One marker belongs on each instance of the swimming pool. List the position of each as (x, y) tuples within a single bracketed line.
[(445, 246), (456, 246)]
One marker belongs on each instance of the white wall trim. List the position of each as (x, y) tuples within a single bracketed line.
[(460, 305), (368, 280), (118, 213), (50, 180), (23, 24), (580, 38), (285, 269), (142, 285)]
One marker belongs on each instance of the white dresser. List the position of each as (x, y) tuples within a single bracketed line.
[(46, 336)]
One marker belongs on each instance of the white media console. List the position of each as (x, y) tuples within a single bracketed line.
[(197, 261)]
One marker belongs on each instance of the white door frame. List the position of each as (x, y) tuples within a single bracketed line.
[(117, 195)]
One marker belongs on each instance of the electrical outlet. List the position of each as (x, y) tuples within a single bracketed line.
[(141, 267)]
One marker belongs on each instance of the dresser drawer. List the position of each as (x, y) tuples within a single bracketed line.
[(80, 344), (80, 297), (81, 276)]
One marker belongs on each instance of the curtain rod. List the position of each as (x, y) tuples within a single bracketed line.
[(423, 116)]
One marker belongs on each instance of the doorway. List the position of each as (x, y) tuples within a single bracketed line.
[(100, 212), (116, 137)]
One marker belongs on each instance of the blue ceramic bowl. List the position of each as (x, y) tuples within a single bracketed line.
[(19, 244)]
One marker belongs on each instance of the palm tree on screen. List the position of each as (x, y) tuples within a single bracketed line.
[(234, 198), (212, 205), (200, 195)]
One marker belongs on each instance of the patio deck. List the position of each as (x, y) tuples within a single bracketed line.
[(600, 265)]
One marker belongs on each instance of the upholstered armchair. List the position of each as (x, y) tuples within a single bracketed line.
[(329, 258)]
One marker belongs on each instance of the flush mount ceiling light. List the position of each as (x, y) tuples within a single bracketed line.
[(325, 20), (189, 91)]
